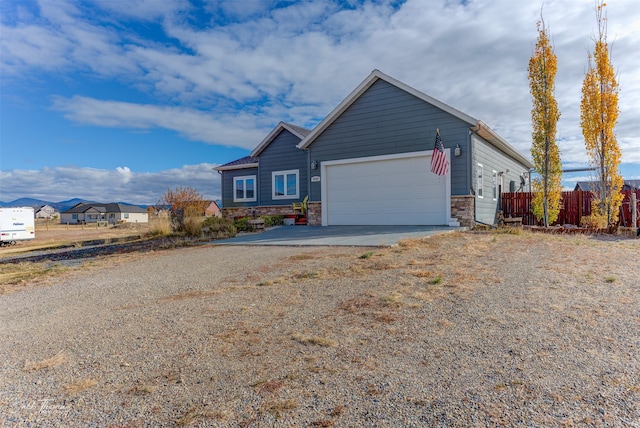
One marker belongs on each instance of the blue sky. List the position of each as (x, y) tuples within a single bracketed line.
[(115, 100)]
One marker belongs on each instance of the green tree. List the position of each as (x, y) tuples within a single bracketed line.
[(547, 189), (598, 116)]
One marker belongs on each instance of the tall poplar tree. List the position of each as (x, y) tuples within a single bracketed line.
[(598, 116), (547, 189)]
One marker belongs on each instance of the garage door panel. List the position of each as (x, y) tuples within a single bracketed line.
[(385, 192)]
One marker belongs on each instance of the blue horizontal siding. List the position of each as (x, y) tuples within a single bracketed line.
[(282, 154), (386, 120), (227, 187)]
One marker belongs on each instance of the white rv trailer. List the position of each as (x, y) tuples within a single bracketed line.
[(16, 224)]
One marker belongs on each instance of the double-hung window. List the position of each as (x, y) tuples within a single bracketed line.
[(479, 181), (285, 184), (494, 178), (244, 188)]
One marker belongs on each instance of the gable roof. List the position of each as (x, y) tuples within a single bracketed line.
[(633, 184), (295, 130), (590, 186), (105, 208), (475, 125), (245, 162)]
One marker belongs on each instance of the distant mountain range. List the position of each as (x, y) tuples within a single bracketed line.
[(58, 206)]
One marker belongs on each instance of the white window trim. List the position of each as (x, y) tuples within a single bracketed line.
[(494, 177), (480, 181), (285, 173), (244, 178)]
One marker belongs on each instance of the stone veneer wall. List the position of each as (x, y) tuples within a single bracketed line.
[(256, 211), (462, 209), (314, 213)]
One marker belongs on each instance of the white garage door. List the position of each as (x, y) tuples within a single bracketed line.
[(383, 191)]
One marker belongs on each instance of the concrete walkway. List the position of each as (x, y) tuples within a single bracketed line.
[(351, 236)]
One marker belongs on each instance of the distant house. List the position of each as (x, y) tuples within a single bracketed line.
[(368, 163), (631, 185), (47, 212), (589, 186), (112, 213), (212, 210)]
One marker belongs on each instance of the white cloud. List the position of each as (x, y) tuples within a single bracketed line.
[(229, 84), (192, 124), (119, 185)]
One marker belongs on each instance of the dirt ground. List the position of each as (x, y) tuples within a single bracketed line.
[(50, 235), (466, 329)]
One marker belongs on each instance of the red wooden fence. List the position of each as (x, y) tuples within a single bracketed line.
[(575, 205)]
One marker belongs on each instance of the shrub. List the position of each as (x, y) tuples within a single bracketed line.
[(241, 223), (594, 221), (192, 226), (219, 228), (273, 220), (160, 226)]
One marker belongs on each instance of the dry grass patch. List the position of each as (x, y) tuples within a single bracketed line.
[(81, 385), (55, 361), (194, 294), (421, 273), (272, 386), (301, 257), (337, 411), (359, 303), (314, 340), (143, 390), (21, 273), (192, 414), (393, 299), (276, 408), (385, 318), (323, 423)]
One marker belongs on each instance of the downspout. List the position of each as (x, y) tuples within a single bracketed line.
[(221, 186), (259, 186), (308, 173), (472, 178)]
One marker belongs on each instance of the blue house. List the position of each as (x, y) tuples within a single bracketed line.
[(368, 163), (271, 178)]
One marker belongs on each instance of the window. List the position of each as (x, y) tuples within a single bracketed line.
[(244, 188), (285, 184), (479, 180), (126, 215), (494, 178)]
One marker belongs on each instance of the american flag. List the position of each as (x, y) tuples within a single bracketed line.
[(439, 162)]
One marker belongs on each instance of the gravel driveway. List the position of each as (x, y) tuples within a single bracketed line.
[(464, 329)]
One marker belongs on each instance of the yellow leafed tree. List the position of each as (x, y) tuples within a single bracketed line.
[(183, 203), (598, 116), (547, 189)]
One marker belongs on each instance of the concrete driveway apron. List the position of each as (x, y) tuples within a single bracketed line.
[(351, 236)]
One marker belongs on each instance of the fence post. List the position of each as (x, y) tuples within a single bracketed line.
[(634, 209), (579, 208)]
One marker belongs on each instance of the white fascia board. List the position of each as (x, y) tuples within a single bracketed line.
[(232, 167), (366, 84)]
